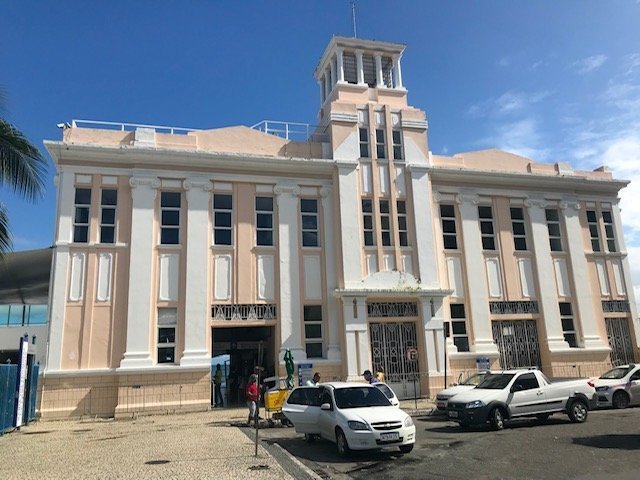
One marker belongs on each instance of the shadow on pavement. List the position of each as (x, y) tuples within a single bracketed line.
[(619, 442), (451, 427)]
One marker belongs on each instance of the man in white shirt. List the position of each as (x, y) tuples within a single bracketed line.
[(314, 381)]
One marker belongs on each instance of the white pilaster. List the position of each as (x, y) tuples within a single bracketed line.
[(433, 335), (626, 269), (359, 67), (57, 301), (143, 193), (397, 72), (332, 72), (357, 345), (197, 305), (379, 80), (476, 276), (321, 87), (349, 227), (327, 86), (547, 291), (290, 307), (364, 345), (584, 300), (340, 65), (427, 260), (333, 346)]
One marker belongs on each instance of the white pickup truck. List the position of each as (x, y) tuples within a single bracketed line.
[(521, 393)]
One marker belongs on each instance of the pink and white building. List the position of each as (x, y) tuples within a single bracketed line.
[(350, 246)]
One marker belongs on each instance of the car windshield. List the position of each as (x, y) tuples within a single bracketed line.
[(356, 397), (616, 373), (474, 379), (495, 381)]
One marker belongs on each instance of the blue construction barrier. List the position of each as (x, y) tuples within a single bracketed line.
[(8, 382)]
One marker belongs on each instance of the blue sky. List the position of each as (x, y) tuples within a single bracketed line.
[(554, 81)]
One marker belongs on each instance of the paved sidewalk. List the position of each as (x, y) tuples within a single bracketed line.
[(192, 445)]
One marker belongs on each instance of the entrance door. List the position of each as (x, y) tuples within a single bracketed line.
[(620, 341), (389, 344), (517, 341)]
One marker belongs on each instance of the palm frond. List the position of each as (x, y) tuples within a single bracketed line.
[(22, 167), (5, 235)]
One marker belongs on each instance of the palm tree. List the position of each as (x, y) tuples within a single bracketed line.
[(22, 169)]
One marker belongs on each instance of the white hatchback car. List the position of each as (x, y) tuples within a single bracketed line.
[(619, 387), (355, 416)]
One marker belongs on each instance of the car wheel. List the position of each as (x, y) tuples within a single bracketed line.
[(543, 416), (578, 411), (463, 425), (496, 417), (620, 400), (406, 448), (341, 442)]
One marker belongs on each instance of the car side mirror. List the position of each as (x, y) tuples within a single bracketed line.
[(325, 406)]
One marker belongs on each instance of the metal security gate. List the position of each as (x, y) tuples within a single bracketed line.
[(8, 398), (389, 344), (517, 341), (620, 341)]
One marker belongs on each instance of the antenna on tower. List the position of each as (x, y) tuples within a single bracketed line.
[(353, 16)]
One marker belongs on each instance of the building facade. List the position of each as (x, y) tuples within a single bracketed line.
[(353, 247)]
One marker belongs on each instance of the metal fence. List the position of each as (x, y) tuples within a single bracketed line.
[(8, 381)]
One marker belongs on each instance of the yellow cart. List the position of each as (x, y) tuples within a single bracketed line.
[(274, 399)]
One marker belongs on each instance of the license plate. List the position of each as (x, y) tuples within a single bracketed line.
[(386, 437), (453, 414)]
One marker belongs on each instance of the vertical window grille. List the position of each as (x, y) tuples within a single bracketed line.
[(264, 221), (350, 67), (369, 70), (553, 226), (167, 324), (486, 228), (385, 223), (568, 328), (381, 149), (402, 223), (364, 142), (397, 145), (222, 219), (458, 328), (367, 221), (313, 330), (608, 229), (449, 234), (518, 228), (309, 211), (82, 205), (108, 203), (594, 232), (170, 218)]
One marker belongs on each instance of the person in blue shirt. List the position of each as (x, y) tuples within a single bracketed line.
[(369, 377)]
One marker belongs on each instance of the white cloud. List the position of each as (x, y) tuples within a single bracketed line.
[(536, 65), (507, 103), (631, 62), (588, 64), (504, 62), (521, 137)]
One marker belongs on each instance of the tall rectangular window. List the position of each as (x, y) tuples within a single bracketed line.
[(449, 234), (402, 223), (568, 328), (397, 145), (309, 212), (313, 330), (458, 327), (170, 218), (487, 231), (222, 219), (367, 221), (385, 223), (594, 230), (167, 324), (518, 228), (108, 204), (608, 230), (264, 221), (381, 148), (364, 142), (82, 205), (553, 226)]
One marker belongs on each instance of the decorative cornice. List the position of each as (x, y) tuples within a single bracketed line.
[(536, 202), (417, 124), (573, 205), (347, 117), (467, 198), (325, 191)]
